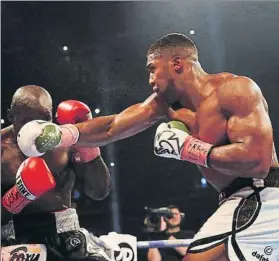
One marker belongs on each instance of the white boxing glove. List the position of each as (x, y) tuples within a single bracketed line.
[(172, 140), (169, 141), (37, 137)]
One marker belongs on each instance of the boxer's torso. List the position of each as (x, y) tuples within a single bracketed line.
[(58, 162), (209, 123)]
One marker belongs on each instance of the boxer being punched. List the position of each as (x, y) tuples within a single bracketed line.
[(47, 217), (228, 134)]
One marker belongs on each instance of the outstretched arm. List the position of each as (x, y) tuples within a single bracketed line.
[(103, 130), (37, 137)]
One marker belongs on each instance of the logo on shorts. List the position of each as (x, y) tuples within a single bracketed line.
[(126, 253), (74, 241), (22, 253), (268, 251)]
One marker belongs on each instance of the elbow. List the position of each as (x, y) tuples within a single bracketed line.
[(259, 166), (262, 169), (109, 132), (104, 194), (112, 131), (99, 195), (98, 192)]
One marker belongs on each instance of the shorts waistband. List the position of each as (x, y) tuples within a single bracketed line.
[(271, 180), (44, 224)]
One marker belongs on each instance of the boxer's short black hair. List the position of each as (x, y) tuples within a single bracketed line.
[(173, 40)]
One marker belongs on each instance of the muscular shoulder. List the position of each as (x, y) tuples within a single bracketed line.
[(239, 95)]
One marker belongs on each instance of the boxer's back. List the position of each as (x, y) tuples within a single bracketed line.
[(59, 163), (211, 125)]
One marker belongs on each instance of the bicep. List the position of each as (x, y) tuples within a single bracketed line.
[(254, 128), (248, 121)]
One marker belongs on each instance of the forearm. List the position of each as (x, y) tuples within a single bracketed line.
[(103, 130), (94, 132), (236, 159)]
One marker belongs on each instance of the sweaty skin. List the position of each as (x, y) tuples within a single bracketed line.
[(230, 112), (232, 116), (94, 176), (223, 109)]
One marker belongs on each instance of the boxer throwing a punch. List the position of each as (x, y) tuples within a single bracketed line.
[(223, 127), (36, 192)]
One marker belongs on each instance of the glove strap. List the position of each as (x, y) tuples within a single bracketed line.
[(13, 201), (196, 151), (85, 155), (70, 135)]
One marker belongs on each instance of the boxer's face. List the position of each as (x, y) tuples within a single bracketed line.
[(176, 220), (161, 76), (20, 115)]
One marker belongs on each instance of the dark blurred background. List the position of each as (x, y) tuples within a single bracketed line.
[(95, 52)]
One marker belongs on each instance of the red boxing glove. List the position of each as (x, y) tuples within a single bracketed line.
[(33, 179), (72, 111)]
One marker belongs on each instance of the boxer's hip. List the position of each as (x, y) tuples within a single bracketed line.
[(246, 221), (245, 185), (37, 226)]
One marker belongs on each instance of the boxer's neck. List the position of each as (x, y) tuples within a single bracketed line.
[(192, 86)]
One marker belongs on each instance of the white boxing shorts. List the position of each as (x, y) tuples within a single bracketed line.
[(247, 223)]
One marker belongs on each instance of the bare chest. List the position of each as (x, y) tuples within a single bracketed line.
[(211, 123), (208, 124)]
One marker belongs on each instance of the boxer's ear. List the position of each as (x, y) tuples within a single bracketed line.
[(177, 64), (9, 115)]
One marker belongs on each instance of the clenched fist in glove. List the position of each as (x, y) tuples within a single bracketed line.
[(37, 137), (33, 179), (172, 140), (72, 111)]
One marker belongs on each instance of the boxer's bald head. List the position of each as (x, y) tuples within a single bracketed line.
[(30, 103)]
